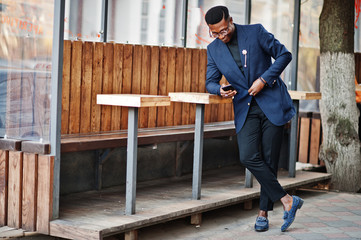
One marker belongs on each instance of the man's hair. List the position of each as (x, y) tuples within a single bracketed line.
[(216, 14)]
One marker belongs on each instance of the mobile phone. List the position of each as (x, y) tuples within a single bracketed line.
[(228, 87)]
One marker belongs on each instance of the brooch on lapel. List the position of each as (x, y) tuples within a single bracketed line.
[(244, 52)]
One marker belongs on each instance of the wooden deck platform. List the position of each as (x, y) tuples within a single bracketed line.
[(97, 214)]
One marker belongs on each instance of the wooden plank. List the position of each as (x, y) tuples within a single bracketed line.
[(29, 198), (200, 98), (97, 86), (315, 140), (45, 192), (13, 104), (4, 167), (15, 189), (10, 144), (117, 84), (13, 93), (86, 87), (187, 79), (161, 203), (304, 140), (196, 219), (154, 80), (75, 87), (131, 235), (169, 111), (304, 95), (28, 84), (195, 82), (42, 106), (65, 102), (127, 80), (163, 73), (27, 105), (202, 82), (133, 100), (106, 116), (145, 137), (178, 86), (137, 69), (145, 84), (71, 230)]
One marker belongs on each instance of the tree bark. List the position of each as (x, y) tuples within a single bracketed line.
[(340, 149)]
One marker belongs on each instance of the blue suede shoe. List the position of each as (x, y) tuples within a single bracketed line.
[(261, 224), (289, 216)]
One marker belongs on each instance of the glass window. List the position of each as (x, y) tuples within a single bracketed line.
[(83, 20), (156, 22), (277, 18), (25, 68), (357, 26), (197, 29), (309, 52)]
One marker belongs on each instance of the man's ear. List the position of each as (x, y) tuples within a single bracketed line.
[(231, 20)]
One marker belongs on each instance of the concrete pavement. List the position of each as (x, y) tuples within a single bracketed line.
[(324, 215)]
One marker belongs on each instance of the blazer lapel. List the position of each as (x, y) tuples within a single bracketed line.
[(244, 51), (228, 62)]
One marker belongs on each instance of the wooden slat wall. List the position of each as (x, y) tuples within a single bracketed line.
[(15, 189), (92, 68), (4, 166), (29, 191), (26, 188), (310, 138)]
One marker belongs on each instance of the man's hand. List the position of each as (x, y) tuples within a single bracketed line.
[(256, 87), (227, 94)]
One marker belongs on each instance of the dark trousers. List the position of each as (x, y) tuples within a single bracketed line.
[(259, 143)]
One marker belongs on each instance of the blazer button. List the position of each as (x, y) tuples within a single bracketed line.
[(274, 81), (249, 104)]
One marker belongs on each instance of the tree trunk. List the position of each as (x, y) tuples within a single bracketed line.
[(340, 149)]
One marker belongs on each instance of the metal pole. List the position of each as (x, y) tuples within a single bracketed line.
[(247, 12), (56, 97), (294, 68), (132, 148), (104, 23), (185, 22), (198, 152)]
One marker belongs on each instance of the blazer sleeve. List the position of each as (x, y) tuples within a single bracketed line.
[(213, 75), (278, 51)]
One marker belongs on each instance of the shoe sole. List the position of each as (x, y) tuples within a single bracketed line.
[(261, 230)]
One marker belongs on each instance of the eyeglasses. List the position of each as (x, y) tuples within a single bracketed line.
[(222, 33)]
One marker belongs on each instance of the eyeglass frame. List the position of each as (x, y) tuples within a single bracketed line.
[(224, 32)]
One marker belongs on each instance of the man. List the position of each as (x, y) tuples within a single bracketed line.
[(262, 105)]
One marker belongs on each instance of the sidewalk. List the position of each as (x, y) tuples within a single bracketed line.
[(324, 215)]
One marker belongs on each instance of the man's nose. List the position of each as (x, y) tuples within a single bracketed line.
[(221, 36)]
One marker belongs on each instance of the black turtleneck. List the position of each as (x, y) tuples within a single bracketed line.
[(233, 48)]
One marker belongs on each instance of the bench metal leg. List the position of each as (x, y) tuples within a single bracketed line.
[(293, 143), (131, 160), (198, 152), (249, 179)]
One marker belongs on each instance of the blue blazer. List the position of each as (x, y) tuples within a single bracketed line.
[(260, 47)]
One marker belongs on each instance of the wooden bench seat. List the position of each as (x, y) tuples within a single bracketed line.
[(146, 136), (71, 143)]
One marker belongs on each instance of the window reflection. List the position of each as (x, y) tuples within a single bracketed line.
[(83, 20), (197, 29), (156, 22), (277, 18)]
